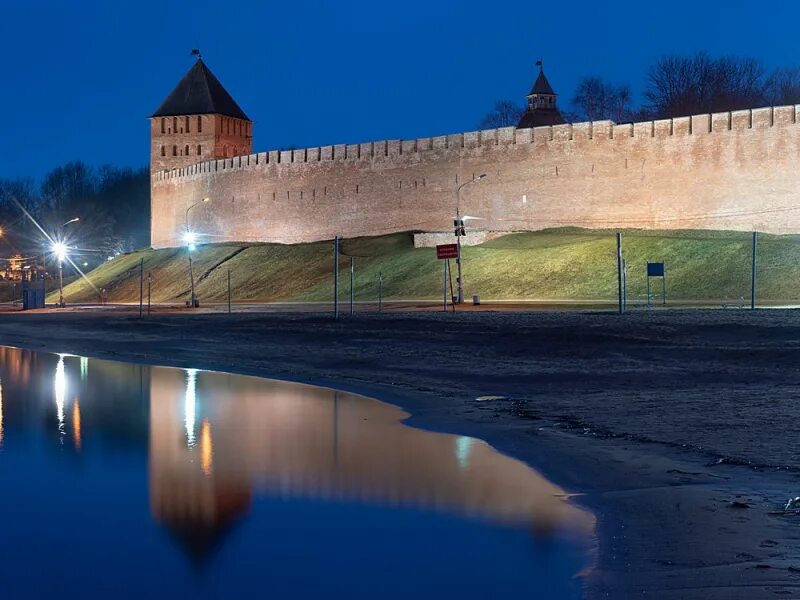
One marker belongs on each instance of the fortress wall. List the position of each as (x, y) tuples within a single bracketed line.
[(722, 171)]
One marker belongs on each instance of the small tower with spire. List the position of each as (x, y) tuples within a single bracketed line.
[(198, 121), (542, 108)]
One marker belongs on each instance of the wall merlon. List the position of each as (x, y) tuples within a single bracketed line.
[(701, 124), (763, 117), (488, 137), (601, 130), (741, 119), (644, 129), (367, 150), (521, 136), (472, 139), (785, 115), (562, 133), (505, 135), (681, 126), (409, 146), (624, 131), (721, 122), (455, 141), (327, 152), (580, 132), (393, 148), (339, 151), (439, 142), (662, 128), (313, 155)]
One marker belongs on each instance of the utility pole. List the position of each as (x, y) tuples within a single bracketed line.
[(149, 290), (619, 274), (229, 291), (191, 276), (753, 273), (336, 277)]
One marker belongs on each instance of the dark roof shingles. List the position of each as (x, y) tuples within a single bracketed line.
[(200, 93)]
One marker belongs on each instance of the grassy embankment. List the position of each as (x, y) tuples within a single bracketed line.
[(554, 264)]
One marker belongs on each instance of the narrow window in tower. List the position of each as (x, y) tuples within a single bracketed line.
[(229, 126), (174, 151), (199, 124), (186, 151), (163, 125), (163, 151), (187, 124), (199, 150), (175, 124), (225, 151)]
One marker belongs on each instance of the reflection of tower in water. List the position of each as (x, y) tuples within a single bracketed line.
[(295, 441)]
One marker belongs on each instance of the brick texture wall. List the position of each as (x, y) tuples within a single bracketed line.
[(723, 171)]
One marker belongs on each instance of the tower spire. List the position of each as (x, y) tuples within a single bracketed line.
[(541, 108)]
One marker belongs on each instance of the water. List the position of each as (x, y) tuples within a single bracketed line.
[(129, 481)]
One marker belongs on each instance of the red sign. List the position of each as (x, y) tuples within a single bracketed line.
[(446, 251)]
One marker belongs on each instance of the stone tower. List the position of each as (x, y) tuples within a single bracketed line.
[(541, 104), (198, 121)]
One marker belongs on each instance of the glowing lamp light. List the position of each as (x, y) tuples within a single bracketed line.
[(190, 239), (60, 250)]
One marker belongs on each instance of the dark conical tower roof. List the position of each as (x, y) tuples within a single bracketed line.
[(541, 85), (200, 93), (541, 104)]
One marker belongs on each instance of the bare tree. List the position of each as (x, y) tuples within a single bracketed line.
[(596, 99), (686, 85), (783, 86), (505, 114)]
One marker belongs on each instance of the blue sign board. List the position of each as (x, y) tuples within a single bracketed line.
[(655, 269)]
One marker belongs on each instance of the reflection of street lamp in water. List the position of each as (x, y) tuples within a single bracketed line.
[(460, 231), (190, 239)]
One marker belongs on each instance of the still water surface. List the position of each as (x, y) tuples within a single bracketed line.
[(129, 481)]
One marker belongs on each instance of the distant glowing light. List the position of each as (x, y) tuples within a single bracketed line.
[(59, 249), (190, 406), (60, 388), (206, 448), (189, 238)]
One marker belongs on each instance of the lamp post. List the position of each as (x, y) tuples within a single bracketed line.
[(460, 231), (190, 238), (60, 250)]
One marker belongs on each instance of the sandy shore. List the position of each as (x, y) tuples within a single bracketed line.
[(658, 420)]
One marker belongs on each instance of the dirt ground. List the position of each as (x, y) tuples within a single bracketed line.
[(677, 428)]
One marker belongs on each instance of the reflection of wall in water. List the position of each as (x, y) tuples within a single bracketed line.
[(213, 437)]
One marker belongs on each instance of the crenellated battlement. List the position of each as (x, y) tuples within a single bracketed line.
[(555, 135), (733, 170)]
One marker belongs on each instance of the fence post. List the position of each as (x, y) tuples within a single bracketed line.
[(444, 287), (380, 291), (753, 273), (352, 277), (336, 277), (141, 288), (619, 273)]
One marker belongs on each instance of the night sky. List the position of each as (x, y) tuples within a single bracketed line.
[(79, 78)]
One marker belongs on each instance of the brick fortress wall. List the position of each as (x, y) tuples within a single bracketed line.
[(734, 170)]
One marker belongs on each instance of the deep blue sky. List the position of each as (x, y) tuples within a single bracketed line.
[(79, 77)]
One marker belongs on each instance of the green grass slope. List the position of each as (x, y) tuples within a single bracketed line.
[(552, 264)]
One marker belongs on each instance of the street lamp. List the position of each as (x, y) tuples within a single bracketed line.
[(59, 249), (460, 231), (190, 237)]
